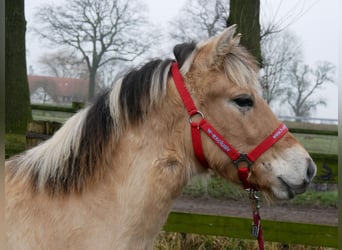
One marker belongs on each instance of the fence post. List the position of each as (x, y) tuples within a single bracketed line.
[(78, 105), (39, 131)]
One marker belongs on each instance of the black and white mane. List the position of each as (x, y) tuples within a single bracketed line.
[(78, 152)]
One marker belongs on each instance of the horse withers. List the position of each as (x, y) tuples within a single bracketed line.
[(107, 179)]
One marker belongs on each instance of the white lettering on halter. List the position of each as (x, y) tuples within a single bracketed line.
[(218, 140), (279, 131)]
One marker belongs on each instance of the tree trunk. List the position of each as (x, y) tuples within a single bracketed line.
[(17, 101), (92, 85), (245, 13)]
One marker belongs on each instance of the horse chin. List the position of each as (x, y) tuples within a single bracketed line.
[(286, 191)]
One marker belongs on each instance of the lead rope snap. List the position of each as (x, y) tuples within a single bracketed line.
[(256, 230)]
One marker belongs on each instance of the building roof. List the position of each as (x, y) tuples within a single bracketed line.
[(60, 87)]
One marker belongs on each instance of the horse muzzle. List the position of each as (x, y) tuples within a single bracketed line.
[(289, 189)]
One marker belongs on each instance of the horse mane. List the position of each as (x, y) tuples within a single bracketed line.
[(79, 152)]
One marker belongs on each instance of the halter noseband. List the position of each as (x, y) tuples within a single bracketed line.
[(216, 137)]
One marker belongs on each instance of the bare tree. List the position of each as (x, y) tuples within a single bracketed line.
[(246, 14), (199, 20), (278, 51), (100, 30), (109, 73), (276, 18), (64, 63), (303, 83), (285, 78)]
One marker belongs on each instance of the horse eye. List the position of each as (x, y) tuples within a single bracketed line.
[(244, 101)]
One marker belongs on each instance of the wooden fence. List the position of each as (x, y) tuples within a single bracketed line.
[(274, 231)]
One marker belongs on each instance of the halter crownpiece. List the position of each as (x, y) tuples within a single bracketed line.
[(217, 138)]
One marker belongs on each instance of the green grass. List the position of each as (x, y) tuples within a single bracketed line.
[(181, 241), (219, 188), (322, 144), (215, 187), (317, 198)]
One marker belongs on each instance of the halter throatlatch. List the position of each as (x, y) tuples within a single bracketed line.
[(236, 157)]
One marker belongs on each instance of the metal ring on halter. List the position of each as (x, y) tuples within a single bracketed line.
[(243, 158), (196, 113)]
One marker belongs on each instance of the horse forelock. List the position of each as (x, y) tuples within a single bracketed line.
[(241, 68)]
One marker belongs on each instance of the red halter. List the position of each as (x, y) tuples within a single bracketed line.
[(215, 136)]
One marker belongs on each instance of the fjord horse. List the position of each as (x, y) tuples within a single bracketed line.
[(108, 177)]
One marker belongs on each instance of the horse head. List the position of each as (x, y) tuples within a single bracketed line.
[(222, 79)]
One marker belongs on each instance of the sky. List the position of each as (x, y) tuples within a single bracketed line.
[(315, 22)]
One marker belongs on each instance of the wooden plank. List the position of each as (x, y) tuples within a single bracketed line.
[(311, 126), (34, 127), (54, 108), (313, 131), (274, 231), (39, 131)]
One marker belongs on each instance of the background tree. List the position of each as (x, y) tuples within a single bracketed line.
[(41, 95), (245, 13), (303, 82), (278, 51), (64, 63), (17, 101), (99, 30), (272, 20), (109, 73), (199, 20)]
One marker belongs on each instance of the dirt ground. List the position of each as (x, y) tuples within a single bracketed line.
[(277, 211)]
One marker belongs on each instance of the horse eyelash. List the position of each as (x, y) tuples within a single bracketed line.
[(244, 101)]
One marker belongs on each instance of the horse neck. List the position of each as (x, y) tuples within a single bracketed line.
[(147, 174)]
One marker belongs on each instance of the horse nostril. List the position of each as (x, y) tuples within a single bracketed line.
[(311, 170)]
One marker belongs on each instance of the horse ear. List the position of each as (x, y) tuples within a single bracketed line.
[(182, 52), (225, 42)]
